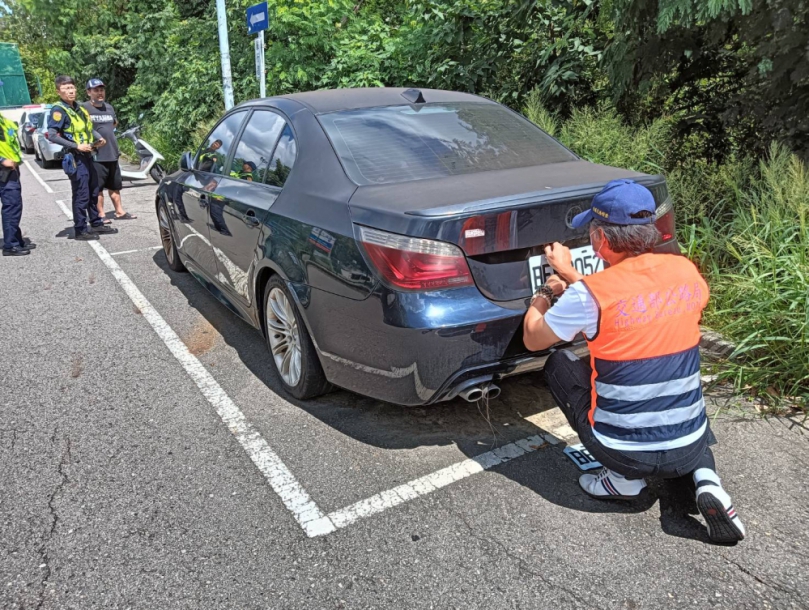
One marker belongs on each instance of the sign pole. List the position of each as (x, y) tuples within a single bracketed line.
[(224, 52), (258, 20), (261, 70)]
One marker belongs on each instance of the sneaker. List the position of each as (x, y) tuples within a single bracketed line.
[(16, 251), (609, 485), (103, 229), (713, 502), (86, 236)]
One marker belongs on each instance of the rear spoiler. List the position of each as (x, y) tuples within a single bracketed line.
[(515, 201)]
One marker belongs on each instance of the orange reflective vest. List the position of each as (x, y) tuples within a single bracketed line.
[(647, 392)]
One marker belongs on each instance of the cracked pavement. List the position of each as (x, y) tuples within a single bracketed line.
[(120, 487)]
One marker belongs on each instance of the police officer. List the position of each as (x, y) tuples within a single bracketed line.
[(70, 125), (10, 191), (209, 159), (246, 173), (637, 406)]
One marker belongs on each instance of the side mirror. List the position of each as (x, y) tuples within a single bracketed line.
[(186, 161)]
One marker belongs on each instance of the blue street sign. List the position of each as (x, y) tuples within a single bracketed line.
[(257, 18)]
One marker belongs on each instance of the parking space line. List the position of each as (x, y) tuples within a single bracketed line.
[(149, 249), (433, 481), (39, 179), (285, 485), (441, 478)]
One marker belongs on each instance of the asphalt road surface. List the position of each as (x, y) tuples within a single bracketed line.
[(148, 459)]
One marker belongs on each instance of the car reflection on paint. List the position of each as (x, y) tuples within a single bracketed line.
[(379, 238)]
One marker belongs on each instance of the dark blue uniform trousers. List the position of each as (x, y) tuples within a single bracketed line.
[(85, 194), (11, 197)]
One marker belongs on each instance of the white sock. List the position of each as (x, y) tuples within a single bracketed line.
[(706, 474)]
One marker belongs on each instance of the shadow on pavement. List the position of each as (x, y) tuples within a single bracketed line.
[(474, 428)]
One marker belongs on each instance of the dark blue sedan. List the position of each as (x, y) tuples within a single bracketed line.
[(383, 240)]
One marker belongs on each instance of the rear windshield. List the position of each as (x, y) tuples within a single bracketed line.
[(36, 118), (406, 143)]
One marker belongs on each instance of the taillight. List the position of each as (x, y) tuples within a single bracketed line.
[(30, 129), (409, 263), (664, 220)]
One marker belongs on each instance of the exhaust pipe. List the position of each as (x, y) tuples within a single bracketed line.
[(491, 391), (476, 392), (472, 394)]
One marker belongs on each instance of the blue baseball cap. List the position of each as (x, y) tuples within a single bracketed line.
[(616, 203), (94, 82)]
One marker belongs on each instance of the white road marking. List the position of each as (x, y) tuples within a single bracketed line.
[(292, 494), (441, 478), (431, 482), (149, 249), (39, 178)]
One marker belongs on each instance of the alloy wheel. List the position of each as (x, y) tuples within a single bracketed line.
[(284, 337), (165, 234)]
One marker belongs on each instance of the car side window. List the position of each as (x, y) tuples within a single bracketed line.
[(282, 159), (256, 146), (213, 153)]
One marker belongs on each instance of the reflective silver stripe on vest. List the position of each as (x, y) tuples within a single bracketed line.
[(635, 393), (653, 446), (651, 419)]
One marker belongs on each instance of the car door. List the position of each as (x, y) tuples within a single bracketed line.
[(193, 196), (243, 199)]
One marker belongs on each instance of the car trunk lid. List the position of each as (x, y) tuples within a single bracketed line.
[(499, 219)]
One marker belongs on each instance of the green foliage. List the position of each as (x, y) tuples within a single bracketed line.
[(760, 279), (732, 71), (601, 136)]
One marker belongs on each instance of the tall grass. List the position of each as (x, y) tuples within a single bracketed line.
[(758, 267), (743, 222)]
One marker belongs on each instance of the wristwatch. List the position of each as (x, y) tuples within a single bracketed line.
[(544, 291)]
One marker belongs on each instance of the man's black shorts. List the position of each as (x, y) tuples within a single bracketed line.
[(109, 175)]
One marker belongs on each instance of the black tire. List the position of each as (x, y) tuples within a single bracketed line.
[(157, 173), (167, 238), (312, 380)]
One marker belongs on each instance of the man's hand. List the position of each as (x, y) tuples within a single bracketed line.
[(557, 284), (9, 164), (561, 260), (85, 148), (101, 142)]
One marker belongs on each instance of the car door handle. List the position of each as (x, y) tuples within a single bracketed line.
[(249, 217), (203, 200)]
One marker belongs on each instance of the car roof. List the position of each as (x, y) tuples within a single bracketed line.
[(333, 100)]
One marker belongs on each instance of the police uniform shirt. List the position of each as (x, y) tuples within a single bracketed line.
[(59, 124), (9, 146)]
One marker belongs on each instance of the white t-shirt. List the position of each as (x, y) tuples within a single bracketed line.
[(574, 312)]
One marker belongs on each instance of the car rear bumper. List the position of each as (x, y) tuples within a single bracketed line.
[(420, 348), (416, 349)]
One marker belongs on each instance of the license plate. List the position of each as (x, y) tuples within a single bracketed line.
[(584, 260)]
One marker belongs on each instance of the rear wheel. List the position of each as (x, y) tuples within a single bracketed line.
[(294, 356), (157, 173), (167, 238)]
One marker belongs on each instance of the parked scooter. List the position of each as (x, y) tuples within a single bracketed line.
[(149, 158)]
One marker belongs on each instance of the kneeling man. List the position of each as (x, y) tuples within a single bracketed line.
[(637, 405)]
